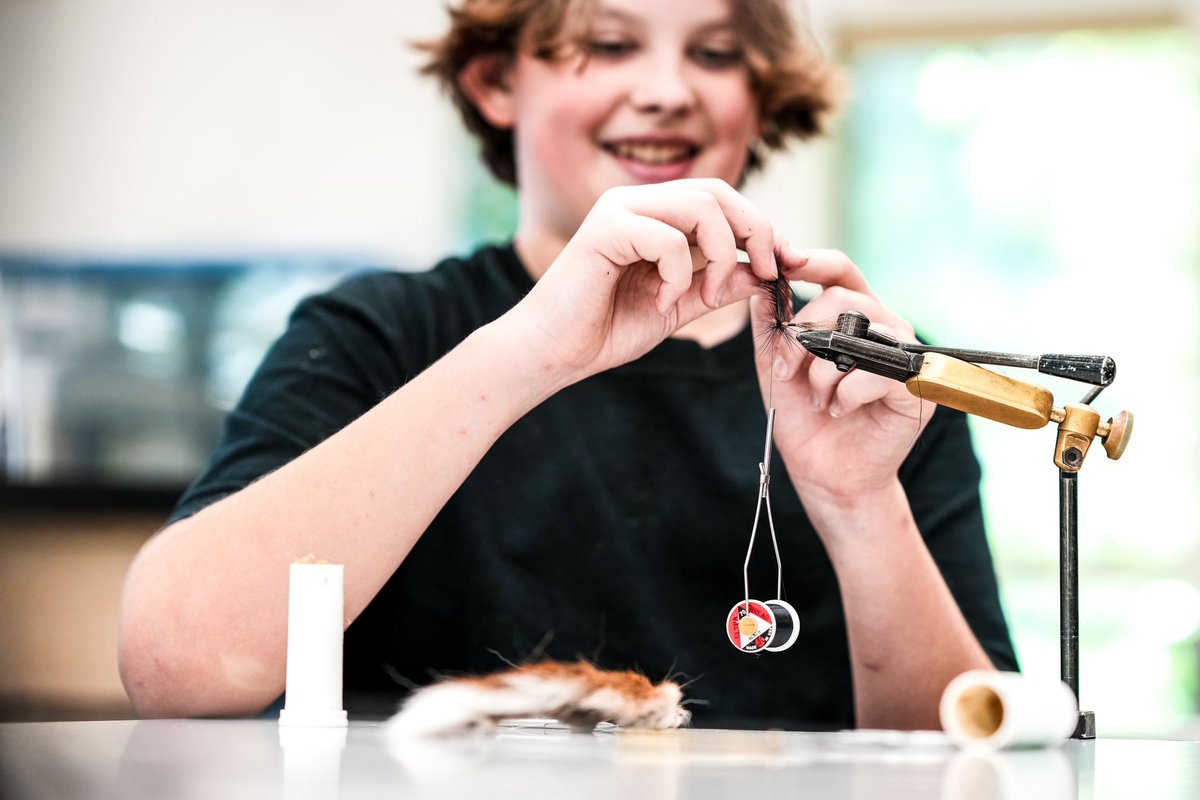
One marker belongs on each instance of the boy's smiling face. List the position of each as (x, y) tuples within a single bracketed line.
[(661, 93)]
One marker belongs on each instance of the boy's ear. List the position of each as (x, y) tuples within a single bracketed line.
[(485, 81)]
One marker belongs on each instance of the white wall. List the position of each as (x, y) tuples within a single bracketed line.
[(221, 124)]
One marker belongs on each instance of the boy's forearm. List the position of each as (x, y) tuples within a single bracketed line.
[(203, 621), (908, 638)]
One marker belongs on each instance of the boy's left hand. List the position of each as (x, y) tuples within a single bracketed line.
[(646, 260), (842, 435)]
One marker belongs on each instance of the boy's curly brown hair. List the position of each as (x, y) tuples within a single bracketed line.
[(797, 89)]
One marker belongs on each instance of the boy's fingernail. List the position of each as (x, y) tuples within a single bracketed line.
[(835, 409), (780, 367), (816, 402), (797, 254)]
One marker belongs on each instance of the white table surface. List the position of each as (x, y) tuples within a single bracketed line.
[(249, 758)]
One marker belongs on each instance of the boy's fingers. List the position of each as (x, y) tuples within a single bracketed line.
[(790, 260), (831, 268), (740, 286), (680, 203), (698, 215), (748, 224), (858, 389), (707, 213), (901, 331), (715, 240), (666, 247), (826, 306), (823, 380)]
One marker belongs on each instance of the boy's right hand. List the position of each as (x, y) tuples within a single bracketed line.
[(646, 260)]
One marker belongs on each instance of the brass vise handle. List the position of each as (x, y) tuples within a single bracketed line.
[(970, 388)]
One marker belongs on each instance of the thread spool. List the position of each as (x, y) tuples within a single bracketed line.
[(984, 709), (753, 626), (750, 626), (787, 625)]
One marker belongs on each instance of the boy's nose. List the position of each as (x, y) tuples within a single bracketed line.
[(663, 87)]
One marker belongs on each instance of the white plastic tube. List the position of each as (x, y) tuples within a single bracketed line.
[(314, 647), (992, 710)]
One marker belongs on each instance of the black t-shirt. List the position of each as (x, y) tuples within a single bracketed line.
[(609, 523)]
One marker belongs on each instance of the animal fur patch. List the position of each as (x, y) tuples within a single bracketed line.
[(576, 694)]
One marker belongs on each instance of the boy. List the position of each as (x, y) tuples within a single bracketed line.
[(551, 447)]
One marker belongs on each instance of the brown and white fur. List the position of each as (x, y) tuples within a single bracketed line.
[(577, 694)]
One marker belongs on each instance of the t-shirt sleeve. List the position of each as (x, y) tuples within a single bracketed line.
[(333, 363), (942, 478)]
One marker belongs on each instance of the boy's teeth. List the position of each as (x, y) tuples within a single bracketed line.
[(652, 153)]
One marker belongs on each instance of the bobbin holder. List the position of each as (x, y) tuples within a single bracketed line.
[(952, 377)]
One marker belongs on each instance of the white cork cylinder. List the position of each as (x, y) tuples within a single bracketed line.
[(989, 710), (313, 695)]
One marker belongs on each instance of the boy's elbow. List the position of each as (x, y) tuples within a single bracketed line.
[(143, 637), (153, 669), (162, 680), (147, 691), (148, 681), (167, 672)]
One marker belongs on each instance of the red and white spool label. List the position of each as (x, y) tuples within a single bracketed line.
[(750, 626)]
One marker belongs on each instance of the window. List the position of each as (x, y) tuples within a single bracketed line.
[(1036, 193)]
